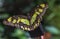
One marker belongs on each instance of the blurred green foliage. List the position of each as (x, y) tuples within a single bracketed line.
[(19, 33), (51, 19), (4, 16)]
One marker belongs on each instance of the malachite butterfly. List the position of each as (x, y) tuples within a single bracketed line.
[(23, 22)]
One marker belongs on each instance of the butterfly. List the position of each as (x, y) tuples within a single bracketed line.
[(30, 22)]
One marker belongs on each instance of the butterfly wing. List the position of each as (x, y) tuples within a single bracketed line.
[(22, 21)]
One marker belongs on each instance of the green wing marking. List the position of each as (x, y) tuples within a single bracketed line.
[(25, 21), (33, 18)]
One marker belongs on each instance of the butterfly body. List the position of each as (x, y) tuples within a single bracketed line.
[(23, 22)]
